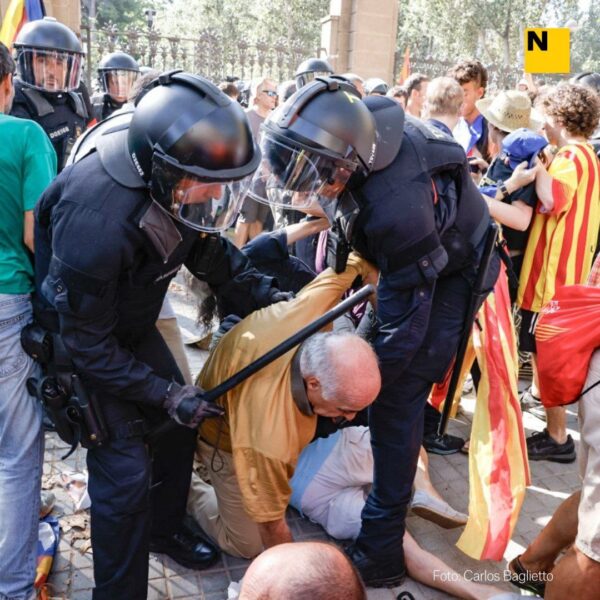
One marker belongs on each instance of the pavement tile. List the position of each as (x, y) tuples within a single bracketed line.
[(157, 590), (215, 582), (155, 569), (59, 583), (179, 587), (216, 596), (83, 579)]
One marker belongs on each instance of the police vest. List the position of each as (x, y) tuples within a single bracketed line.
[(62, 116), (103, 106), (423, 209)]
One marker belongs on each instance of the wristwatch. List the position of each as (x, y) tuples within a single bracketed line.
[(503, 190)]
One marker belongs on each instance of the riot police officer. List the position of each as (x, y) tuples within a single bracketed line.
[(111, 232), (48, 84), (412, 209), (117, 73), (376, 86), (311, 68)]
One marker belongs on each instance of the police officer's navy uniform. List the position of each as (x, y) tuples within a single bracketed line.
[(63, 116), (103, 106), (105, 254), (423, 223)]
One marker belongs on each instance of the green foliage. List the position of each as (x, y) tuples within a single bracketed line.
[(492, 30), (585, 42), (121, 13), (296, 21)]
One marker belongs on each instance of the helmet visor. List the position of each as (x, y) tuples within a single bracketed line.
[(309, 76), (49, 70), (297, 177), (201, 204), (117, 83)]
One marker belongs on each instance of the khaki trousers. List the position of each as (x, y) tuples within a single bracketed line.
[(218, 508)]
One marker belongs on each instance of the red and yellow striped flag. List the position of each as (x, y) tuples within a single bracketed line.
[(405, 71), (498, 465)]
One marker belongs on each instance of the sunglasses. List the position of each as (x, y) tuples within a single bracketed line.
[(270, 93)]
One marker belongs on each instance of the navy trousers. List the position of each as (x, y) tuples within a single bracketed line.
[(419, 332), (137, 492)]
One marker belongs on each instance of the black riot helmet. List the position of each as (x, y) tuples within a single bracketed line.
[(193, 147), (310, 69), (376, 86), (49, 56), (313, 144), (117, 73), (588, 80)]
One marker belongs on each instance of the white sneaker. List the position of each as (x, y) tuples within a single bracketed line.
[(437, 511)]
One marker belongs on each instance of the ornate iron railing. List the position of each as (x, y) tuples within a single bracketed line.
[(208, 54), (500, 77)]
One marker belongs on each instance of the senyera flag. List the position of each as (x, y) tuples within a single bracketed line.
[(17, 14), (498, 465), (405, 71)]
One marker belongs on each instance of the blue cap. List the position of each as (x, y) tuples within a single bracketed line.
[(523, 145)]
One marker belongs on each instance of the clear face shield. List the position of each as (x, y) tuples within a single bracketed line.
[(49, 70), (117, 83), (196, 200), (306, 78), (297, 177)]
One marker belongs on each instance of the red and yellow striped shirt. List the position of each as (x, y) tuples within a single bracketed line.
[(561, 244)]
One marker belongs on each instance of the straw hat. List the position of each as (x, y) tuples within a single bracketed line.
[(510, 110)]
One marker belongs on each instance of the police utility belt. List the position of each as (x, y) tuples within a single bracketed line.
[(75, 414)]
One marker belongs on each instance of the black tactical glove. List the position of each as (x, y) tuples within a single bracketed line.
[(186, 405), (276, 295)]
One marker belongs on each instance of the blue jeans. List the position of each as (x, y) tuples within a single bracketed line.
[(21, 453)]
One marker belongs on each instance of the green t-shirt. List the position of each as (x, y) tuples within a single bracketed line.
[(27, 166)]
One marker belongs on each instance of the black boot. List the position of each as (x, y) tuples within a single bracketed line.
[(377, 572), (187, 549)]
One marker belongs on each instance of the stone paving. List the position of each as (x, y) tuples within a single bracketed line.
[(72, 574)]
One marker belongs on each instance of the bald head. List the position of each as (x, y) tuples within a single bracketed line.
[(302, 571), (341, 374)]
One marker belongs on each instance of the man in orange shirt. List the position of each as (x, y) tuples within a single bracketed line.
[(563, 235)]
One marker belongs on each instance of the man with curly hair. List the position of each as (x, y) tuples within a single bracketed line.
[(563, 235)]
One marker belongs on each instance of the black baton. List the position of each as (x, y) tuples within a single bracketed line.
[(273, 354), (479, 294)]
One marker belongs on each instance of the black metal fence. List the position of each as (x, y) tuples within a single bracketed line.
[(209, 54), (500, 77)]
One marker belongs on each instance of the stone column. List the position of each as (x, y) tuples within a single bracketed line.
[(65, 11), (360, 36)]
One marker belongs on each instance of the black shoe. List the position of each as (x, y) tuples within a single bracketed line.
[(188, 550), (442, 444), (376, 572), (541, 446)]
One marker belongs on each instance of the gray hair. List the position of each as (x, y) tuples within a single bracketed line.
[(320, 356)]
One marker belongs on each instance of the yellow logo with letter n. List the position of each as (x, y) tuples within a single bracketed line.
[(547, 50)]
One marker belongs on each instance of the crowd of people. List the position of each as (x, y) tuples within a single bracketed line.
[(284, 199)]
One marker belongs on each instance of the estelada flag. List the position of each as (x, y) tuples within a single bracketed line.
[(498, 465), (17, 14), (405, 71)]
